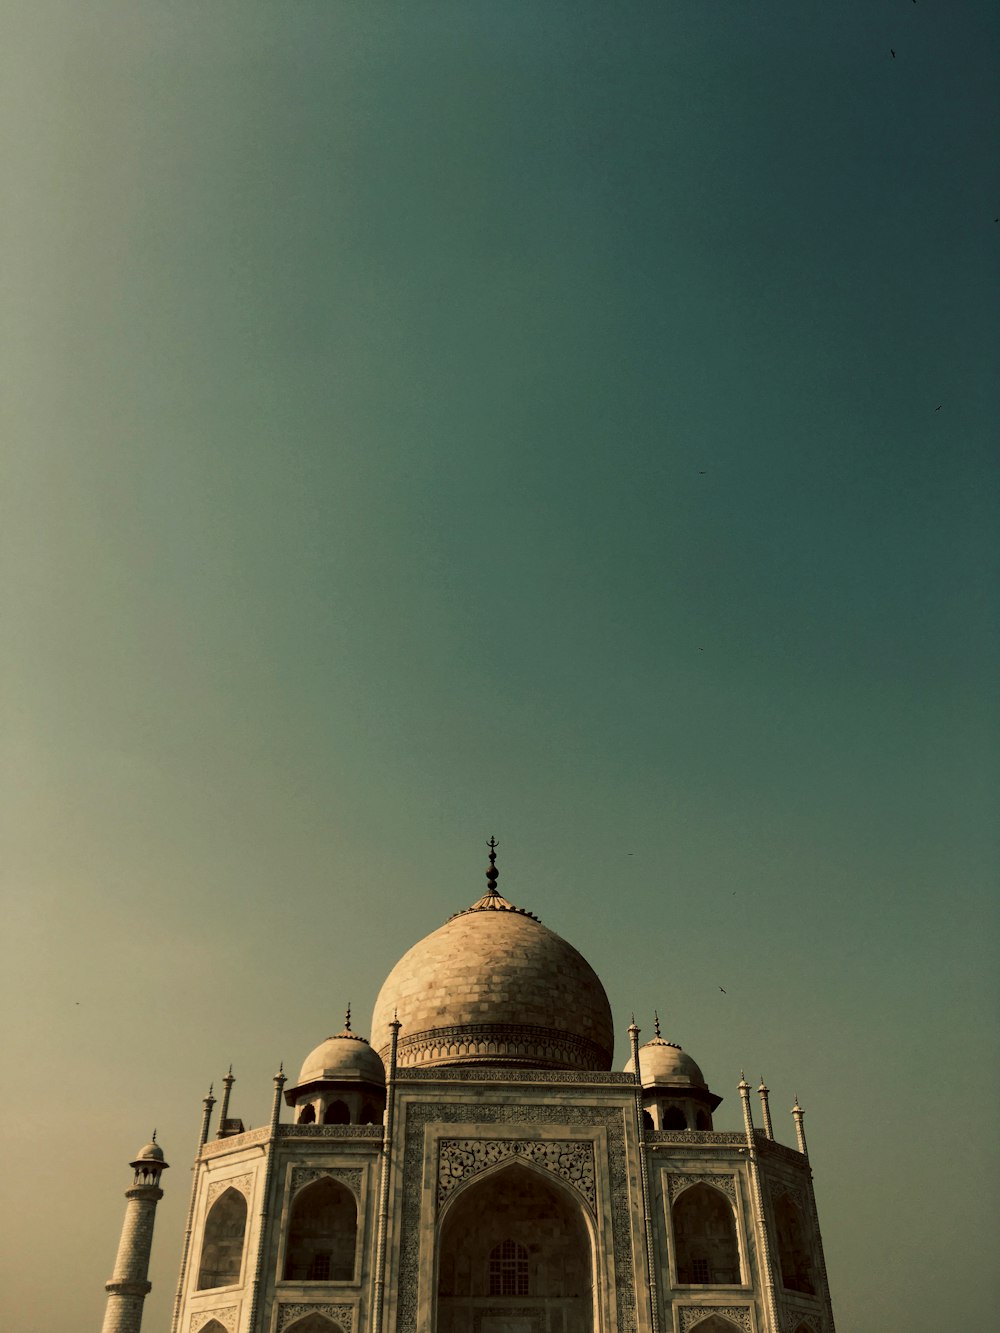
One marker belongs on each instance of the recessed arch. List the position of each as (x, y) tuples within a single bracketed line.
[(307, 1116), (793, 1248), (674, 1118), (706, 1249), (322, 1233), (213, 1326), (803, 1328), (337, 1113), (520, 1237), (222, 1247)]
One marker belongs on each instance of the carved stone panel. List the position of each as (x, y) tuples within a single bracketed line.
[(340, 1314), (242, 1183), (461, 1159), (227, 1317), (727, 1184), (739, 1315), (349, 1176)]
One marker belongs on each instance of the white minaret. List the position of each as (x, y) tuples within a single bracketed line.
[(129, 1286)]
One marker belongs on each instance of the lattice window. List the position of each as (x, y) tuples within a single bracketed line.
[(701, 1270), (319, 1268), (509, 1269)]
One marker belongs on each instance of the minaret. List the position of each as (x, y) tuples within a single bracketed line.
[(128, 1286)]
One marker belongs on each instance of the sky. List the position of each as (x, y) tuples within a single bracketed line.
[(573, 423)]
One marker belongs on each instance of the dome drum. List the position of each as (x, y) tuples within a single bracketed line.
[(499, 1044)]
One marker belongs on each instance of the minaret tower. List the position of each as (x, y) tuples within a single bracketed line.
[(129, 1286)]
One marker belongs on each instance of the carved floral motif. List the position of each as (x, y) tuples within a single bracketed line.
[(340, 1314), (226, 1317), (461, 1159), (242, 1183), (692, 1315), (727, 1184), (349, 1176)]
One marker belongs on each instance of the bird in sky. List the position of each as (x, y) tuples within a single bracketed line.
[(939, 407), (723, 989), (892, 53)]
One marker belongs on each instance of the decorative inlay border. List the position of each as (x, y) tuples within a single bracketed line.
[(613, 1121), (233, 1141), (740, 1315), (570, 1159), (330, 1131), (727, 1184), (499, 1041), (722, 1138), (515, 1075), (341, 1314), (349, 1176), (242, 1183), (226, 1316)]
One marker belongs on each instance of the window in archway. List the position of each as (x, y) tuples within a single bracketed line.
[(674, 1118), (322, 1234), (508, 1269), (705, 1237), (337, 1114), (222, 1248), (793, 1251)]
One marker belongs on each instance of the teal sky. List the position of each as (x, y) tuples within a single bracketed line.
[(573, 422)]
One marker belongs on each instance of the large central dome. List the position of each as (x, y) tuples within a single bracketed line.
[(495, 986)]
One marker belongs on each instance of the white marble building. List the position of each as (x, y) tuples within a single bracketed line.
[(480, 1168)]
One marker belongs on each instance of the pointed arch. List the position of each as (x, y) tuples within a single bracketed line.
[(222, 1246), (706, 1249), (519, 1236), (322, 1233), (803, 1328), (213, 1326), (674, 1118), (307, 1116), (715, 1323), (793, 1247), (337, 1113)]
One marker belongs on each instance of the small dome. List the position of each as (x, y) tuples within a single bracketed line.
[(664, 1064), (495, 986), (342, 1059), (152, 1152)]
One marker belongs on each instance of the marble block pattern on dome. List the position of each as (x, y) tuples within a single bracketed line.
[(495, 987)]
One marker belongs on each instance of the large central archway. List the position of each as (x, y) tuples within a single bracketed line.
[(515, 1256)]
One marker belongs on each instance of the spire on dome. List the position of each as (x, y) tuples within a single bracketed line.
[(493, 900), (492, 874), (347, 1020), (656, 1023)]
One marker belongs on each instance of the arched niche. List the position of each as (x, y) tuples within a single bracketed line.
[(715, 1323), (803, 1328), (322, 1233), (222, 1247), (307, 1116), (315, 1323), (213, 1326), (793, 1250), (702, 1120), (337, 1113), (705, 1244), (515, 1239), (674, 1118)]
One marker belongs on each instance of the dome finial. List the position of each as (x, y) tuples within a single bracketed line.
[(492, 874), (154, 1136), (347, 1020), (656, 1022)]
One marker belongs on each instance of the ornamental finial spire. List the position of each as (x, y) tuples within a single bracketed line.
[(492, 874), (656, 1022), (347, 1019)]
